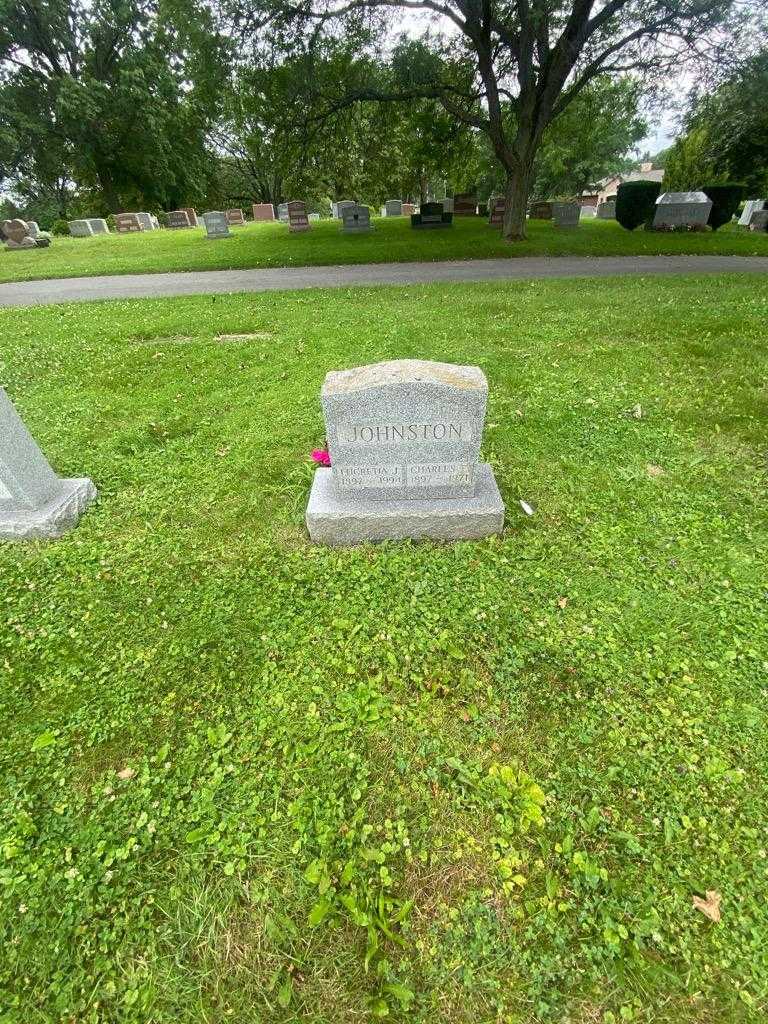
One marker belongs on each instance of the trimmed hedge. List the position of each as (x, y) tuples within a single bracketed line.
[(636, 203), (725, 202)]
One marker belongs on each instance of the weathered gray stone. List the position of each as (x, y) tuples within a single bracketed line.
[(98, 225), (392, 208), (34, 502), (607, 210), (339, 519), (337, 209), (682, 210), (80, 228), (566, 215), (179, 219), (355, 219), (759, 221), (33, 228), (587, 212), (216, 224), (147, 221), (404, 440), (447, 204), (282, 213), (751, 206)]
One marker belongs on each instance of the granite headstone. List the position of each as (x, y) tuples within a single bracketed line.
[(497, 208), (282, 213), (751, 206), (236, 218), (263, 211), (566, 215), (178, 219), (355, 219), (216, 224), (80, 228), (607, 210), (34, 502), (689, 210), (759, 220), (98, 225), (127, 222), (404, 440), (464, 204), (431, 215), (297, 216), (392, 208)]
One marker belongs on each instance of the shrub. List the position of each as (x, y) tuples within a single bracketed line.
[(725, 202), (636, 203), (60, 227), (162, 218), (111, 221)]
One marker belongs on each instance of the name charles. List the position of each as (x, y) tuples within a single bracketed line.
[(402, 433)]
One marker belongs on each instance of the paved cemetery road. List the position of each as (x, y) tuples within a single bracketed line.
[(221, 282)]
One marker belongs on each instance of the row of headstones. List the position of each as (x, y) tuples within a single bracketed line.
[(404, 442), (23, 234)]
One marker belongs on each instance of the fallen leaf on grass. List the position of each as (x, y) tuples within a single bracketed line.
[(526, 507), (126, 773), (562, 602), (710, 907), (637, 411), (652, 470)]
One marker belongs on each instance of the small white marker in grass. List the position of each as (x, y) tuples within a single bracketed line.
[(526, 507)]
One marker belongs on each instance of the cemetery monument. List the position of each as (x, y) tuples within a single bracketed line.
[(404, 441), (282, 213), (607, 210), (541, 211), (236, 218), (566, 215), (263, 211), (216, 225), (34, 502), (464, 204), (297, 216), (431, 215), (178, 219), (497, 207), (355, 219), (689, 210), (759, 221), (80, 228), (392, 208), (751, 206), (18, 236), (127, 222), (98, 225)]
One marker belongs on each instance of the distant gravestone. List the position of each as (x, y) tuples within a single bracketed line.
[(313, 216), (263, 211), (178, 219), (407, 209), (688, 210), (191, 212), (339, 208), (447, 204), (34, 502), (18, 237), (496, 217), (297, 216), (147, 221), (431, 215), (127, 222), (541, 211), (566, 215), (216, 225), (80, 228), (464, 205), (606, 211), (392, 208), (404, 440), (236, 218), (751, 206), (356, 219), (759, 221), (98, 225), (282, 213), (33, 228), (588, 211)]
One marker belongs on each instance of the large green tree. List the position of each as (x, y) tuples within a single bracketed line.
[(120, 91), (726, 135), (511, 69)]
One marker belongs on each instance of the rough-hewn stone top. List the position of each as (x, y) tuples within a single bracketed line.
[(403, 371), (682, 197)]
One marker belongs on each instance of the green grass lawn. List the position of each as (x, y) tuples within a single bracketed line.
[(271, 245), (249, 779)]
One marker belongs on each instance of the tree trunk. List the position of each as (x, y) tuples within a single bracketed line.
[(515, 206), (108, 190)]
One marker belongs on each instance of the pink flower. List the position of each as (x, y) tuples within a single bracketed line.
[(321, 455)]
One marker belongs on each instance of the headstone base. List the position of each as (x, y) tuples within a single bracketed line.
[(59, 515), (339, 520)]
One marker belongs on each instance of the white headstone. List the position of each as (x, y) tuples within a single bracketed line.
[(34, 502), (751, 206), (404, 440), (98, 225), (682, 210)]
